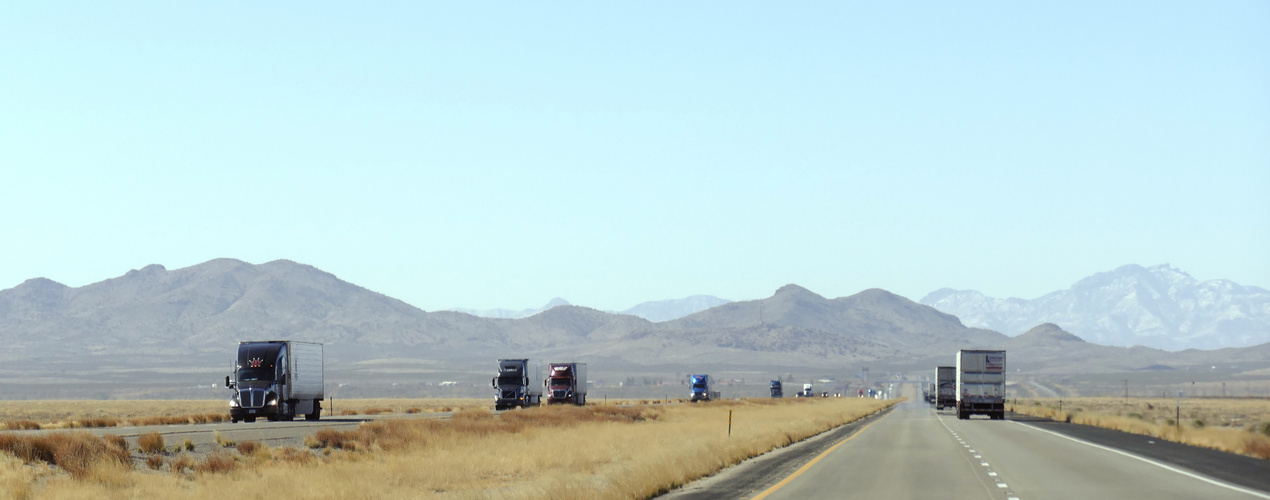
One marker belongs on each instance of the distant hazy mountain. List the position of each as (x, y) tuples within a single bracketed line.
[(795, 326), (157, 314), (666, 310), (509, 313), (1159, 307), (122, 331)]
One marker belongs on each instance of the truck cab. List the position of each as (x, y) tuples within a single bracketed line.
[(512, 386), (700, 388), (777, 391), (566, 383), (265, 379)]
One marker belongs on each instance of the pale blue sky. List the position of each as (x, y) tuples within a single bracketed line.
[(484, 155)]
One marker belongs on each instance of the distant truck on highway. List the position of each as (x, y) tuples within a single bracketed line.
[(945, 387), (699, 387), (777, 391), (276, 379), (807, 392), (517, 383), (566, 383), (980, 383)]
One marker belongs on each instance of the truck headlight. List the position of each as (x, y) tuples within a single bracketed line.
[(233, 402), (273, 402)]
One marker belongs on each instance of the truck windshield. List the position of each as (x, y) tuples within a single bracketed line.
[(560, 381), (255, 374), (698, 386), (510, 380)]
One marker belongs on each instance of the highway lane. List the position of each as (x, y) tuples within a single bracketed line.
[(916, 453)]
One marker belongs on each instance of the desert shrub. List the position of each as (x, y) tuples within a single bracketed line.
[(248, 447), (1136, 415), (154, 461), (1256, 447), (151, 442), (189, 445), (216, 463), (1198, 424), (348, 412), (223, 441), (26, 425), (377, 411), (182, 464), (295, 455), (95, 422), (413, 410), (75, 452), (1265, 428), (116, 441)]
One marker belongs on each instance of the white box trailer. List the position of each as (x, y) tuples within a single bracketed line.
[(277, 379), (980, 383), (945, 387)]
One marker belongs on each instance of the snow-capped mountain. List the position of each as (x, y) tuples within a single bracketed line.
[(1157, 306)]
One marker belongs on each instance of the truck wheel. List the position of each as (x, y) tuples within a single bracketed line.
[(317, 411), (233, 420)]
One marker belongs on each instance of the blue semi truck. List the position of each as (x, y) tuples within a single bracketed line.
[(701, 389)]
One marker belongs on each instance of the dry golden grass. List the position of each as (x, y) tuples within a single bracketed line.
[(17, 415), (1232, 425), (151, 442), (76, 453), (547, 452)]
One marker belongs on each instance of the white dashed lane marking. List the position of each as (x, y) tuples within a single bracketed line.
[(1009, 495)]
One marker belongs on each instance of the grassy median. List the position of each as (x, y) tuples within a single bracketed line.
[(552, 452)]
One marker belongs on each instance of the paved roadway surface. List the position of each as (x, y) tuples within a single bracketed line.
[(916, 452)]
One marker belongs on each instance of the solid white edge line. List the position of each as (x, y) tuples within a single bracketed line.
[(1209, 480)]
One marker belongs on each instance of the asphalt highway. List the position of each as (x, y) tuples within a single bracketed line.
[(916, 452)]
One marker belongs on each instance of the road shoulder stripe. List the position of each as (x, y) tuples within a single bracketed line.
[(1209, 480), (813, 461)]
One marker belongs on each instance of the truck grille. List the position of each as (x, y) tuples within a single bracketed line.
[(558, 394), (509, 394), (251, 398)]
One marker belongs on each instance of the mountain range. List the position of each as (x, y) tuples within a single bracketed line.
[(1158, 306), (655, 311), (155, 317)]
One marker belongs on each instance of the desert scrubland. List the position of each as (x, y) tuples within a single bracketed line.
[(1228, 424), (599, 451), (119, 413)]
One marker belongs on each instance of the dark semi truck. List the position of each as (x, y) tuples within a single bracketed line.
[(277, 380)]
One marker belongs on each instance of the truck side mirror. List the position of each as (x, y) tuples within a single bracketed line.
[(493, 382), (227, 383)]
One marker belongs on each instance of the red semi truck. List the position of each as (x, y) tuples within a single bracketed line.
[(566, 383)]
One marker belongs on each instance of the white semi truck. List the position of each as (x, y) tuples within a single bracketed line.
[(276, 379), (980, 383)]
